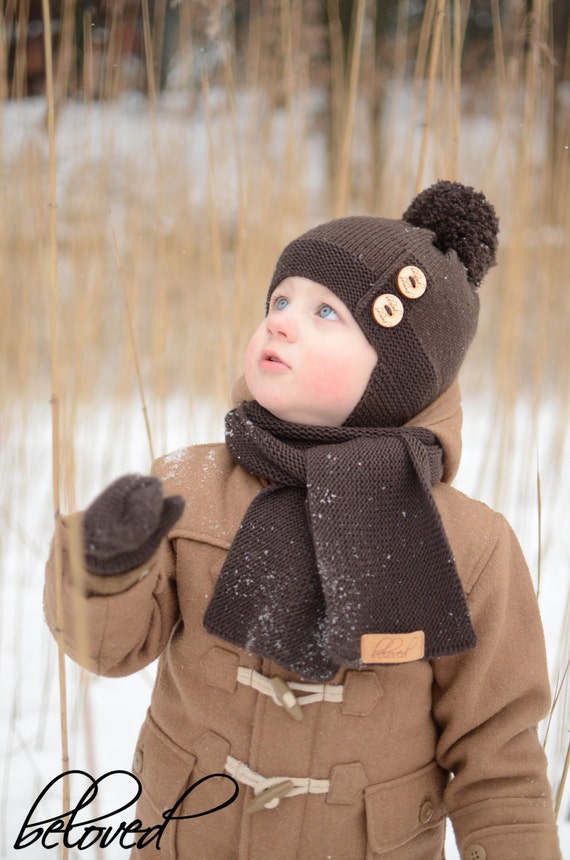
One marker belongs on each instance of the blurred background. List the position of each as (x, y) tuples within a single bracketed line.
[(155, 157)]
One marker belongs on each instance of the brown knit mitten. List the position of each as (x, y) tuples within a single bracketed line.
[(124, 525)]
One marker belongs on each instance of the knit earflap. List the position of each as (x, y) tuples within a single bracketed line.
[(462, 220)]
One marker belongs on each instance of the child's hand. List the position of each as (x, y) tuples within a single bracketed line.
[(123, 527)]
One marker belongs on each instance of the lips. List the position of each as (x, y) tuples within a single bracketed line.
[(272, 359)]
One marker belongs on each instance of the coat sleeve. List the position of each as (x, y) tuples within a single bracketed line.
[(112, 625), (487, 704)]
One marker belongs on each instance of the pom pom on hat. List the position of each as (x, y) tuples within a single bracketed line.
[(463, 220)]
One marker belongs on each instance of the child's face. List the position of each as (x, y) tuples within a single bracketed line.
[(309, 361)]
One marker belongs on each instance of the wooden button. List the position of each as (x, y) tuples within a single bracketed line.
[(412, 282), (138, 761), (426, 811), (269, 798), (387, 310), (475, 852), (287, 698)]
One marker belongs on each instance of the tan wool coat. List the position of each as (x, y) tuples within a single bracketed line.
[(368, 766)]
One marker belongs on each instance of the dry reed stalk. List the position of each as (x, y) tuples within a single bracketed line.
[(445, 109), (240, 245), (511, 301), (341, 199), (153, 55), (434, 60), (557, 699), (110, 69), (65, 78), (417, 84), (88, 69), (501, 94), (158, 26), (400, 175), (19, 89), (520, 219), (459, 28), (562, 786), (558, 690), (259, 179), (3, 66), (14, 697), (80, 620), (337, 74), (148, 52), (217, 254), (120, 24), (388, 190), (253, 59), (290, 13), (539, 531), (85, 709), (54, 335), (295, 84), (132, 338)]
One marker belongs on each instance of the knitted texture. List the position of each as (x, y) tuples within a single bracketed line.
[(347, 540), (124, 525), (449, 232), (461, 220)]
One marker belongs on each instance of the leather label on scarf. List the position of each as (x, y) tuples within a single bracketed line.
[(392, 647)]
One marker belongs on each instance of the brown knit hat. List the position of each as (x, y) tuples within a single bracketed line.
[(412, 287)]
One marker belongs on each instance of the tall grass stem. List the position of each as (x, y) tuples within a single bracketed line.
[(55, 385), (343, 186), (434, 60)]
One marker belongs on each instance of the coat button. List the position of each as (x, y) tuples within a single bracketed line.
[(387, 310), (475, 852), (138, 761), (287, 698), (269, 798), (426, 811), (412, 282)]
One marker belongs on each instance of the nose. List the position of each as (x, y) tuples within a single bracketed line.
[(282, 323)]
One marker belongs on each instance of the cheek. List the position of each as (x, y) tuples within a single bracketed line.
[(337, 383), (341, 376), (251, 353)]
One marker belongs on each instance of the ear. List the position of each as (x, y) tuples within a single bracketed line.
[(463, 220)]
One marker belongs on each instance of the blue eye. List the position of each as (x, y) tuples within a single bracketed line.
[(281, 303), (328, 313)]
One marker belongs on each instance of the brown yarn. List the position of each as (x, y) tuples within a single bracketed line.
[(346, 540), (124, 525)]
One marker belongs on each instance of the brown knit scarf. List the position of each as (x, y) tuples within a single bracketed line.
[(346, 540)]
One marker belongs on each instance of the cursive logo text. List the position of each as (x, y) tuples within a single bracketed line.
[(392, 647), (79, 833)]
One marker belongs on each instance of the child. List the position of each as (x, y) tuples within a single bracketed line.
[(353, 641)]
